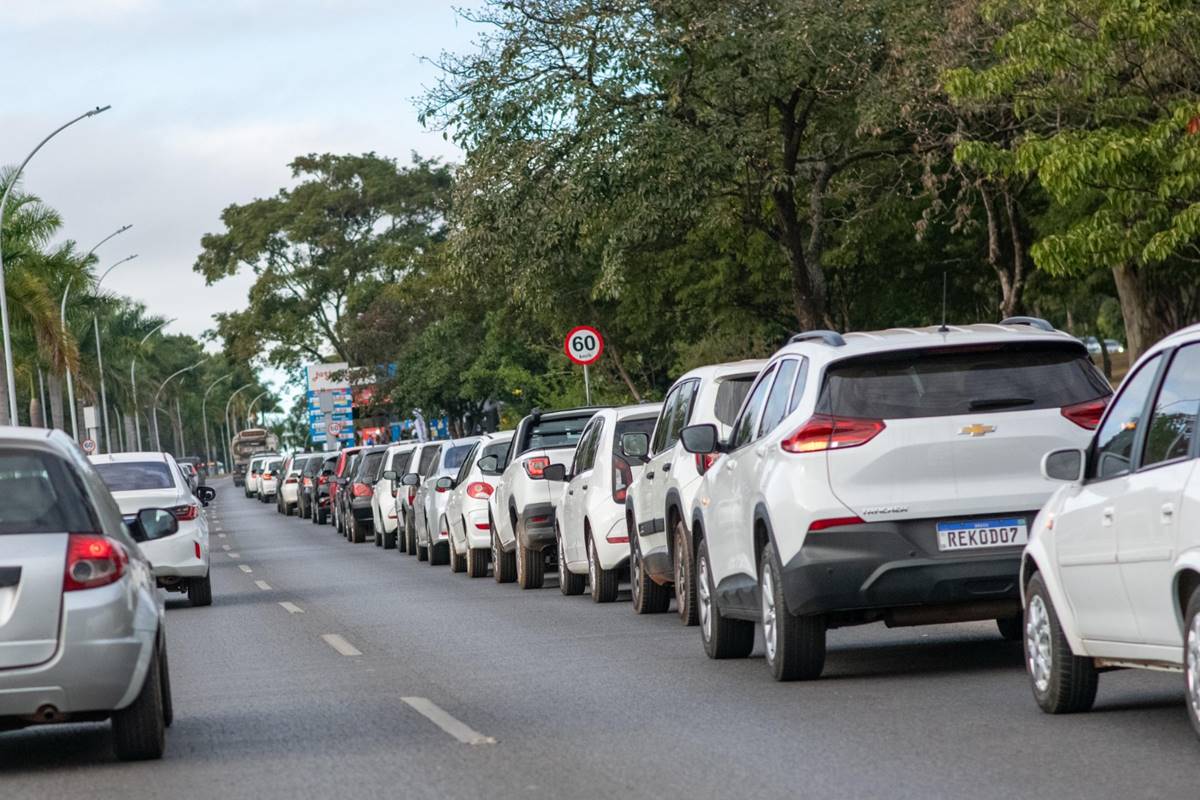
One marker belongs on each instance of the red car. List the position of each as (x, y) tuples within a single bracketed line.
[(341, 474)]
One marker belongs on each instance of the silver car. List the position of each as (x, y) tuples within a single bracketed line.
[(81, 625)]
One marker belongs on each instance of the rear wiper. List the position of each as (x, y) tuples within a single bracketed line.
[(999, 402)]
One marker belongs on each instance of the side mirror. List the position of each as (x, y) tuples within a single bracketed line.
[(206, 494), (390, 475), (411, 479), (488, 465), (555, 472), (443, 484), (1064, 465), (326, 472), (635, 445), (153, 523), (700, 439)]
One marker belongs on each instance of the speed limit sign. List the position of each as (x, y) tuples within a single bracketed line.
[(89, 446), (583, 345), (334, 428)]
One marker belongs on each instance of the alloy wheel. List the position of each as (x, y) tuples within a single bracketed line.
[(592, 563), (1039, 655), (768, 612), (635, 574), (703, 597), (562, 560), (1191, 659)]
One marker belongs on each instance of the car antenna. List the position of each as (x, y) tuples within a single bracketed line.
[(943, 329)]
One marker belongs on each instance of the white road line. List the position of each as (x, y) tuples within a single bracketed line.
[(341, 645), (291, 608), (226, 547), (266, 587), (459, 730), (221, 535), (245, 569), (234, 555)]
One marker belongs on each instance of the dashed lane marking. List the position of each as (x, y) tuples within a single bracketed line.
[(245, 569), (341, 645), (266, 587), (440, 717), (234, 555), (291, 608), (226, 547)]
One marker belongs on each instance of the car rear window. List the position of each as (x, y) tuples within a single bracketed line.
[(556, 432), (400, 462), (500, 451), (41, 496), (135, 476), (456, 455), (730, 394), (429, 458), (636, 425), (962, 380), (370, 465)]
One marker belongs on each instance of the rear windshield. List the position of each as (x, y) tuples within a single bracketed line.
[(500, 451), (400, 462), (135, 476), (41, 496), (962, 380), (730, 394), (456, 455), (273, 466), (370, 465), (557, 432), (312, 466), (625, 426)]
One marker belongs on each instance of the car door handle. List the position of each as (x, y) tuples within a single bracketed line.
[(666, 467), (760, 451), (730, 464), (1168, 512), (1106, 516), (584, 487), (570, 491), (649, 476)]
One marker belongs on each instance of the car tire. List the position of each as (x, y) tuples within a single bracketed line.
[(531, 568), (1012, 629), (685, 576), (288, 508), (422, 552), (358, 531), (378, 539), (139, 729), (504, 565), (168, 703), (389, 539), (569, 583), (458, 563), (1191, 659), (1062, 682), (648, 597), (199, 591), (723, 637), (439, 554), (477, 562), (795, 644), (604, 582)]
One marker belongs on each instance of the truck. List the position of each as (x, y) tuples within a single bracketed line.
[(247, 444)]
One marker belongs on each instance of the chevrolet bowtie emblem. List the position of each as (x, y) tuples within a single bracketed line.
[(977, 430)]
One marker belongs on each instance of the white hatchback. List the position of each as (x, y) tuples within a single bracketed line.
[(466, 516), (1111, 574), (153, 480), (589, 512), (889, 477)]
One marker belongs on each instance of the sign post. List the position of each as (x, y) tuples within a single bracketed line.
[(584, 345)]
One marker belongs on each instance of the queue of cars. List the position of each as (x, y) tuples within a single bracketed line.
[(85, 543), (904, 476)]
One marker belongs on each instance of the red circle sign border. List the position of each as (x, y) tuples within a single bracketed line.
[(583, 329)]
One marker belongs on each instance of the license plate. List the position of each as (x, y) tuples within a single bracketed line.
[(981, 533)]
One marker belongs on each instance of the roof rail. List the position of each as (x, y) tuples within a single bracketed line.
[(1033, 322), (831, 338)]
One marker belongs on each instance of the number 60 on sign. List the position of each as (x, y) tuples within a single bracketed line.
[(584, 345)]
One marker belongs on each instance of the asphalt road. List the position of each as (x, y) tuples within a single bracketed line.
[(581, 700)]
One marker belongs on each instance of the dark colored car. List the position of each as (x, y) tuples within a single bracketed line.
[(322, 489), (347, 461), (360, 519), (308, 483)]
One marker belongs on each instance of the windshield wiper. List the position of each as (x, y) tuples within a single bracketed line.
[(999, 402)]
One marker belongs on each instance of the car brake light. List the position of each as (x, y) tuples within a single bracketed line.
[(197, 544), (291, 480), (704, 461), (266, 476), (535, 466), (833, 522), (622, 477), (483, 526), (361, 490), (93, 561), (478, 490), (412, 494), (1086, 415), (186, 513), (322, 480), (539, 520), (824, 432)]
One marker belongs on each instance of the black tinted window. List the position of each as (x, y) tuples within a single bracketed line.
[(1115, 439), (500, 451), (777, 401), (730, 394), (743, 432), (455, 455), (663, 437), (636, 425), (429, 459), (960, 380), (557, 432), (133, 476), (313, 465), (41, 496), (370, 465), (400, 462), (1173, 424)]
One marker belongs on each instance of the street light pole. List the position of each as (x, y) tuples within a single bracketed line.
[(62, 318), (204, 413), (250, 408), (229, 422), (9, 374), (154, 405), (100, 358), (137, 425)]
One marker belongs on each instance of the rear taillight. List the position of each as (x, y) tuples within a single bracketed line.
[(1086, 415), (479, 490), (622, 477), (197, 545), (291, 480), (322, 480), (823, 432), (535, 466), (360, 490), (186, 513), (833, 522), (266, 476), (412, 494), (704, 461), (93, 561), (483, 526)]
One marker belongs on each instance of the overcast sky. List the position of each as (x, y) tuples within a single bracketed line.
[(210, 100)]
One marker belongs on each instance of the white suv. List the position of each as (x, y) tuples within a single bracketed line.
[(661, 546), (887, 476), (384, 501), (429, 504), (1111, 574), (589, 512), (522, 507)]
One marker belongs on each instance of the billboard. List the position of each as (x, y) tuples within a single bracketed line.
[(330, 405)]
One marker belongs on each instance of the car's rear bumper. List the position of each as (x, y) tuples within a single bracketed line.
[(886, 565), (478, 530), (175, 556), (361, 510), (535, 526)]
